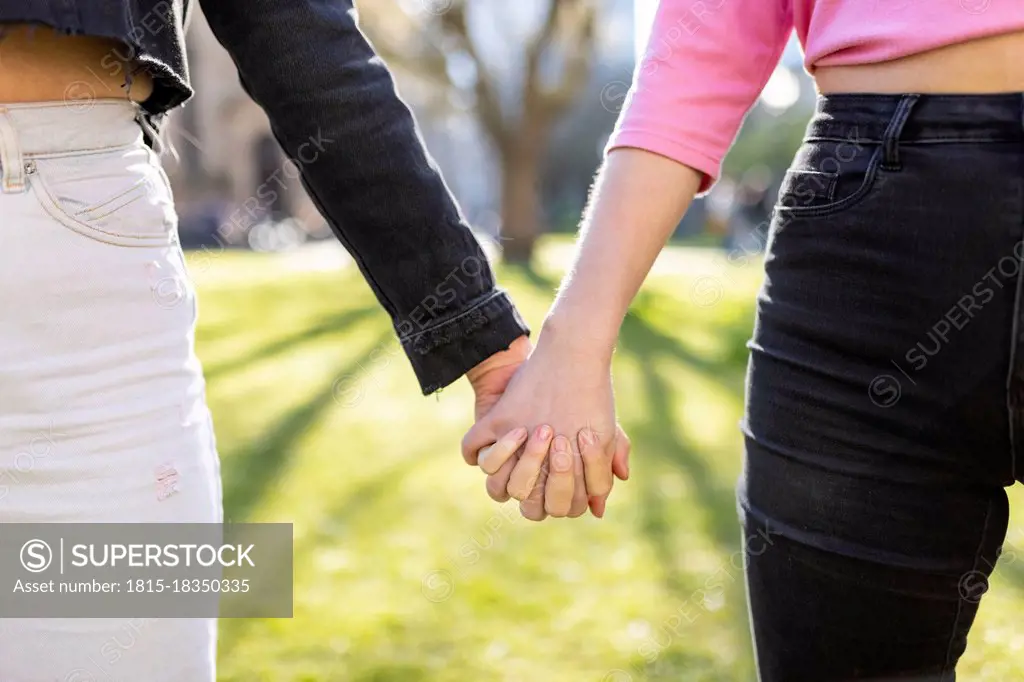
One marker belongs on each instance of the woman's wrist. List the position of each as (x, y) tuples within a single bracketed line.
[(580, 334)]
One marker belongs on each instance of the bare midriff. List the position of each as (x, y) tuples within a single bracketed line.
[(981, 66), (38, 64)]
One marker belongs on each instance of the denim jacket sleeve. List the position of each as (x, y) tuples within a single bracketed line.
[(334, 109)]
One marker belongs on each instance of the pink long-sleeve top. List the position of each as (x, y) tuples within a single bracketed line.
[(708, 60)]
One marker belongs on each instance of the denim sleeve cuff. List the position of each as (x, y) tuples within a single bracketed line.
[(444, 352)]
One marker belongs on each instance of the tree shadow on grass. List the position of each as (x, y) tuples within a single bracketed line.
[(659, 435), (727, 369), (647, 343), (249, 473), (332, 325), (237, 319), (364, 496)]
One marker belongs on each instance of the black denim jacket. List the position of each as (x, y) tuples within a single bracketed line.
[(306, 63)]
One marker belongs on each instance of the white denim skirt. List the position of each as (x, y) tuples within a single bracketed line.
[(103, 415)]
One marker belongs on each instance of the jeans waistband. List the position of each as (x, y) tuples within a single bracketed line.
[(40, 129), (45, 128), (913, 118)]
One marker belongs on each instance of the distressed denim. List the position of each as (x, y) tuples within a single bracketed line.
[(885, 406), (306, 63), (103, 411)]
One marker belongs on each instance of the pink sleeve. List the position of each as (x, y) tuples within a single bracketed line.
[(705, 66)]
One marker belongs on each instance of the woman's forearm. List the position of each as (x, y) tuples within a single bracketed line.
[(365, 168), (638, 200)]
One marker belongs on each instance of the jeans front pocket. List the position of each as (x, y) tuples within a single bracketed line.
[(828, 176), (119, 196)]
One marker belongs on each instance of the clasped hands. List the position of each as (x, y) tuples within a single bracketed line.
[(546, 433)]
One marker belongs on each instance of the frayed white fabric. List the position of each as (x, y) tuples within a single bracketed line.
[(103, 415)]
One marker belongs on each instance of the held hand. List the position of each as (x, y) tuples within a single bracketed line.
[(619, 464), (490, 378), (570, 391), (531, 491)]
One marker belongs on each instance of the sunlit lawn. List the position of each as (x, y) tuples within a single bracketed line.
[(406, 571)]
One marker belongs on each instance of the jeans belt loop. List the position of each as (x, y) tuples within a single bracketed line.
[(891, 140), (12, 165)]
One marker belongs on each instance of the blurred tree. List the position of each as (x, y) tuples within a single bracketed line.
[(516, 100)]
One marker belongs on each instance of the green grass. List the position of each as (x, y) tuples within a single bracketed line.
[(406, 571)]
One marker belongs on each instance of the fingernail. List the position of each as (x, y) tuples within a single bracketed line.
[(519, 433), (543, 432), (561, 460), (587, 437)]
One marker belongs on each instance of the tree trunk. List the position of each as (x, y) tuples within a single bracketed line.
[(520, 207)]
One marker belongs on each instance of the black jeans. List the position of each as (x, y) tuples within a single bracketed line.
[(885, 398)]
